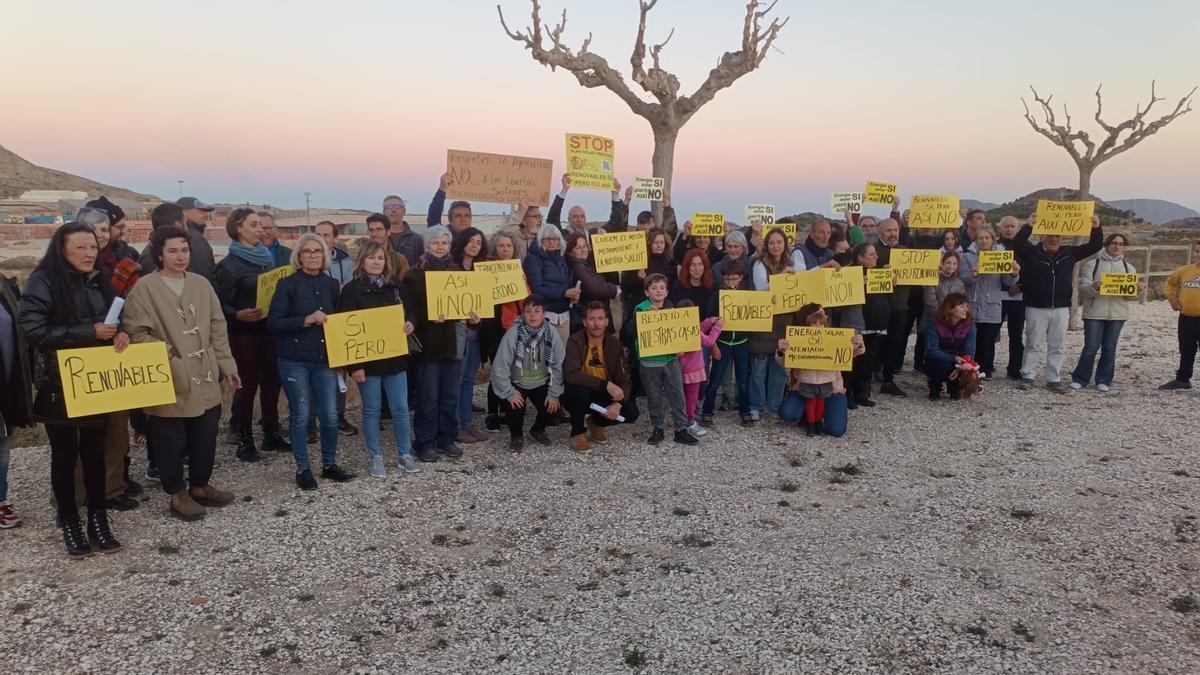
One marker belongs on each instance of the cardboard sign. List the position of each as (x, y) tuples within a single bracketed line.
[(620, 251), (938, 212), (840, 201), (1119, 285), (649, 188), (819, 348), (98, 380), (880, 193), (916, 266), (499, 179), (365, 335), (454, 295), (880, 281), (668, 331), (1070, 219), (995, 262), (267, 281), (844, 286), (708, 224), (508, 280), (748, 311), (760, 215), (790, 292), (590, 161)]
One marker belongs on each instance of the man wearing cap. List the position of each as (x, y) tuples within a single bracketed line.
[(403, 240), (195, 214)]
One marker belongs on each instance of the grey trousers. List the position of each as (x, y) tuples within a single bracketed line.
[(664, 386)]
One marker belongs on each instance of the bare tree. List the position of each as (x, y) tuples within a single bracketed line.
[(670, 111), (1079, 145)]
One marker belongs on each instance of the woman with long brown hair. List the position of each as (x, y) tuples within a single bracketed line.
[(949, 343)]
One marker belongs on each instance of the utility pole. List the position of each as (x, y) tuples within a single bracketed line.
[(180, 188), (307, 214)]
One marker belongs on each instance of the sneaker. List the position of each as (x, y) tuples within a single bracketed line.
[(892, 390), (696, 430), (684, 438), (377, 469), (465, 436), (1076, 385), (596, 431), (580, 444), (1102, 387), (409, 464), (657, 437), (1056, 387), (8, 519), (1175, 385), (492, 423), (540, 437), (336, 473), (305, 480), (152, 474), (1025, 384), (706, 421), (122, 503), (516, 444), (428, 455), (345, 428), (452, 451), (754, 415)]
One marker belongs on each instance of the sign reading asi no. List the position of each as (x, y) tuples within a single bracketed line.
[(98, 380)]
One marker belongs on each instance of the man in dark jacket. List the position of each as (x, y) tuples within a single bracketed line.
[(460, 211), (595, 372), (577, 217), (404, 241), (1012, 309), (1047, 280), (195, 214), (16, 395), (270, 239)]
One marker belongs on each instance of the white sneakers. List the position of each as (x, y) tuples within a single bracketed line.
[(1076, 385), (696, 430), (1102, 387)]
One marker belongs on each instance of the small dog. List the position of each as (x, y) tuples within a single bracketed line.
[(967, 376)]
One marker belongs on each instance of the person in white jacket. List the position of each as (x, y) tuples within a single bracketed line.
[(1103, 315)]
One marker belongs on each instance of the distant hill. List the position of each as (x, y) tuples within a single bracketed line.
[(18, 175), (976, 204), (1023, 207), (1157, 211), (1183, 224)]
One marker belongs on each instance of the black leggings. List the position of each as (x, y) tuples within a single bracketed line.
[(985, 346), (68, 445)]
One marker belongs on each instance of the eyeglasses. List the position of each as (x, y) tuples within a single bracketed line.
[(311, 251)]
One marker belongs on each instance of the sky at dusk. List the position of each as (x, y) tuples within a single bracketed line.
[(353, 100)]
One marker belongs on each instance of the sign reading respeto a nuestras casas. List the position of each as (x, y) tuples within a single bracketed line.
[(498, 179), (1070, 219), (508, 280), (620, 251), (365, 335), (934, 212), (817, 348), (590, 161), (668, 331), (98, 380), (454, 295)]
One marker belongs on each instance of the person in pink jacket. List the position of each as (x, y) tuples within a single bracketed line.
[(692, 365)]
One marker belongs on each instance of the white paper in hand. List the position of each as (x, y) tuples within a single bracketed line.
[(114, 312)]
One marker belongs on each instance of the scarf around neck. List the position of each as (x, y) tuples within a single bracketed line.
[(527, 337), (817, 251), (255, 255), (430, 261)]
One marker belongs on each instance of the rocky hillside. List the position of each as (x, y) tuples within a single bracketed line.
[(18, 175), (1183, 223), (1158, 211), (1023, 207)]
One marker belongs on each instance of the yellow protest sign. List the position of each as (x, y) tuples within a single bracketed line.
[(788, 229), (267, 281), (819, 348), (749, 311), (649, 188), (790, 292), (760, 215), (499, 179), (879, 193), (916, 266), (1119, 285), (844, 286), (454, 295), (365, 335), (620, 251), (934, 212), (99, 380), (880, 281), (508, 280), (1070, 219), (840, 201), (708, 224), (668, 331), (590, 161), (995, 262)]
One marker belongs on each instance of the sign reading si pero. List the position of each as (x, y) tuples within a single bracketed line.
[(508, 280), (649, 188), (499, 179), (879, 193), (916, 266), (933, 212), (267, 281), (880, 281), (454, 295), (708, 224), (668, 331), (995, 262), (1119, 285), (840, 201), (748, 311), (620, 251), (844, 286), (1070, 219), (790, 292), (819, 348), (365, 335), (590, 161), (99, 380)]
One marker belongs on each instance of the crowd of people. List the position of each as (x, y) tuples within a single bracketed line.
[(568, 352)]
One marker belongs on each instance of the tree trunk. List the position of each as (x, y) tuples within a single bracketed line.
[(1085, 182), (1085, 189), (664, 163)]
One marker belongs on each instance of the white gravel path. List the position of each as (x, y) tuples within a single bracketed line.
[(1017, 532)]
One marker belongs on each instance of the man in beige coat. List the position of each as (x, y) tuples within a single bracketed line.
[(181, 309)]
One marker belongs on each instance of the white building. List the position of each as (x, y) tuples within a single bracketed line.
[(52, 196)]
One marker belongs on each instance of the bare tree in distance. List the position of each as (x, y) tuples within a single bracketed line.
[(670, 111), (1085, 152)]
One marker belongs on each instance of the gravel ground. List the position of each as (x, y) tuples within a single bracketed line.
[(1017, 532)]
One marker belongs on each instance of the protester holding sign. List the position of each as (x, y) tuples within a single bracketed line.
[(375, 285), (695, 283), (1183, 292), (987, 295), (577, 218), (503, 248), (64, 306), (660, 375), (659, 262), (703, 243), (549, 277), (526, 230), (1047, 276), (816, 397), (181, 309), (595, 372), (460, 211), (815, 251), (298, 313), (468, 248), (1013, 308), (950, 337), (897, 331), (591, 284), (1103, 316), (875, 312), (731, 349), (527, 371)]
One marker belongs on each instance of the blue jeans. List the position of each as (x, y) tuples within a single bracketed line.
[(1098, 335), (4, 469), (436, 417), (767, 379), (396, 387), (739, 356), (302, 379), (470, 367), (837, 415)]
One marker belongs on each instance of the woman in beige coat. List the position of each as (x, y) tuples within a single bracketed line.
[(180, 308)]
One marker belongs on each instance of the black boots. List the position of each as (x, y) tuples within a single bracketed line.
[(246, 451), (98, 532), (72, 532), (273, 440)]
